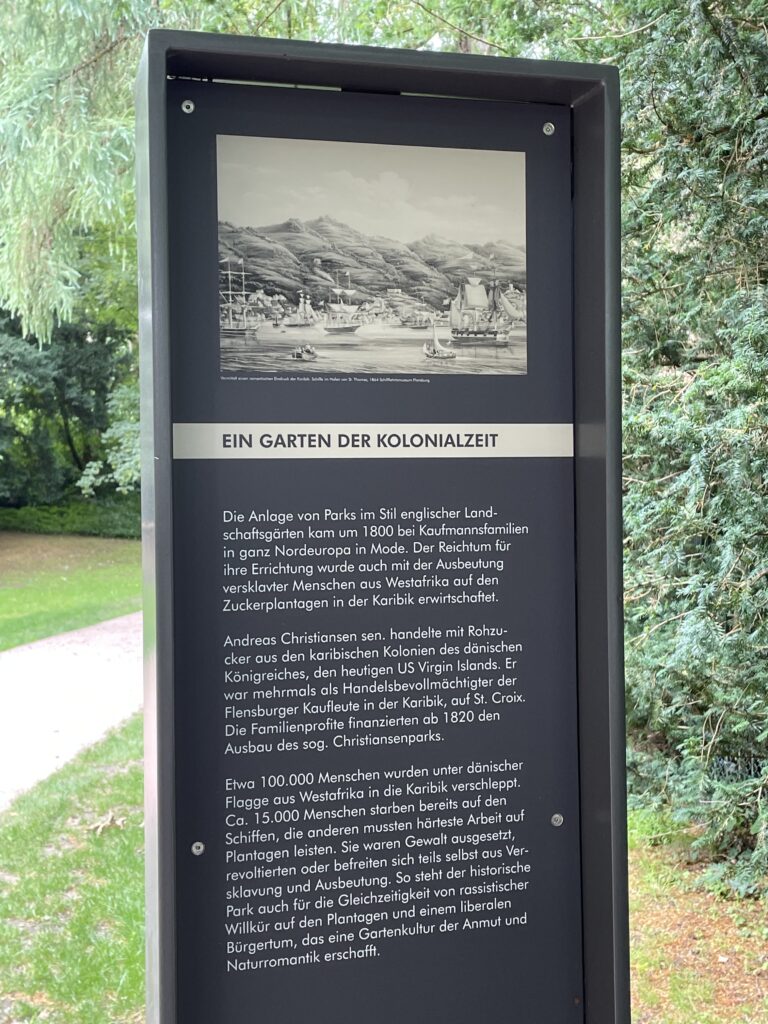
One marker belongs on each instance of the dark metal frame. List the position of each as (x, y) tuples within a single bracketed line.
[(592, 94)]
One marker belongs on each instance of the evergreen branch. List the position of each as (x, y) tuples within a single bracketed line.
[(670, 127), (719, 32), (644, 636)]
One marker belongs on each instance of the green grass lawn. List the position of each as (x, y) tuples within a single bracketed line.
[(71, 888), (51, 584), (696, 958)]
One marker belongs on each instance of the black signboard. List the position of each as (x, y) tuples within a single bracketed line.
[(384, 692)]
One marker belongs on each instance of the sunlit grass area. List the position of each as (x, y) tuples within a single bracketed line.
[(71, 889), (51, 584)]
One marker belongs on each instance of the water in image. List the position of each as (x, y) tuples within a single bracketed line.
[(373, 349)]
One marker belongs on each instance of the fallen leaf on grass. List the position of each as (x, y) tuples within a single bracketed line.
[(110, 821)]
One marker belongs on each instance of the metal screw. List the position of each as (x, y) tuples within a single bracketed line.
[(189, 107), (549, 128), (198, 848), (557, 820)]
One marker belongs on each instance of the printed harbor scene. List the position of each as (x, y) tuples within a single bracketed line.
[(383, 260)]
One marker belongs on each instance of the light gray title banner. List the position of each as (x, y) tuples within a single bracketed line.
[(372, 440)]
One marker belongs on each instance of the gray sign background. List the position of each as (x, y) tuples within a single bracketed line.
[(490, 976)]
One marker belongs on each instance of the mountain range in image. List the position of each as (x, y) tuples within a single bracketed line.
[(316, 255)]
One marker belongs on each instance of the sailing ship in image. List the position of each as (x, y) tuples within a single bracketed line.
[(305, 315), (237, 319), (432, 348), (340, 315), (477, 314)]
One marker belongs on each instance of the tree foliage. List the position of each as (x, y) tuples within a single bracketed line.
[(119, 466), (67, 147), (696, 424), (55, 407), (67, 69), (695, 140)]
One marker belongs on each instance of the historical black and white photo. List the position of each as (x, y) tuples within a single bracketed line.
[(339, 257)]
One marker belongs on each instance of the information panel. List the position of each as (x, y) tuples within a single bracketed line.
[(371, 674)]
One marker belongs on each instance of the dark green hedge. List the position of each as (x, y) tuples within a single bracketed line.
[(116, 516)]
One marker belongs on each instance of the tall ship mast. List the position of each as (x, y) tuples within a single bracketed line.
[(339, 318), (235, 317), (475, 314), (305, 316)]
